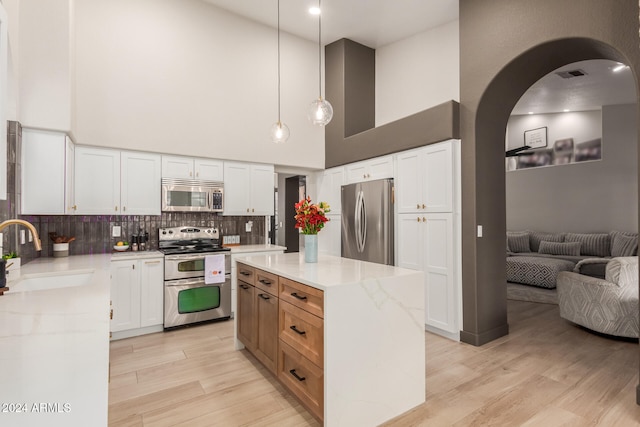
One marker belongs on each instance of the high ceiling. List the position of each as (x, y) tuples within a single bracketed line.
[(373, 23)]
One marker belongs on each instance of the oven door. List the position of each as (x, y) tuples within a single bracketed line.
[(191, 301), (189, 265)]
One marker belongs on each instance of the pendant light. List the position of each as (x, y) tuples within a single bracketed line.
[(279, 131), (320, 111)]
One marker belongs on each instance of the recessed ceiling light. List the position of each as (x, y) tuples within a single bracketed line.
[(619, 67), (530, 112), (566, 110), (314, 10)]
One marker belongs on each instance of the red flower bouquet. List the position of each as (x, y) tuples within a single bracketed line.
[(310, 218)]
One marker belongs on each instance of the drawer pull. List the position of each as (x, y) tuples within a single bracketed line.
[(298, 377), (265, 282), (300, 297), (245, 287), (296, 330), (245, 273), (263, 296)]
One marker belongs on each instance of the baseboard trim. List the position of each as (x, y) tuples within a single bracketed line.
[(455, 336), (485, 337)]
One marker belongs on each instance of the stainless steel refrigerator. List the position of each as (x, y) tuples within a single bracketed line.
[(367, 221)]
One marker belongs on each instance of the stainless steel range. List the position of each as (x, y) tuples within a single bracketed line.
[(187, 298)]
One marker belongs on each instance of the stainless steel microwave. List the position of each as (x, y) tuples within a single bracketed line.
[(186, 195)]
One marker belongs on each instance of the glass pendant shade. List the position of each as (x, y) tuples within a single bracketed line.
[(320, 112), (279, 132)]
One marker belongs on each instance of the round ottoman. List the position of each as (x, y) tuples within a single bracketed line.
[(536, 271)]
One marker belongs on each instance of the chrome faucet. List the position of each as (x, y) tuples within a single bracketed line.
[(34, 232)]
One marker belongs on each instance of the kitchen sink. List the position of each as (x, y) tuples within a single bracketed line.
[(47, 281)]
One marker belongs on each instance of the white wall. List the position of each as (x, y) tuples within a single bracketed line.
[(45, 64), (184, 77), (12, 8), (580, 197), (417, 73)]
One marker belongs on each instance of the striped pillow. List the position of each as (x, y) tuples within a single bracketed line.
[(594, 244), (518, 241), (560, 248), (623, 244), (537, 236)]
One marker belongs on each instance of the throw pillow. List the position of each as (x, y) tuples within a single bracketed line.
[(623, 244), (537, 236), (593, 244), (560, 248), (518, 241)]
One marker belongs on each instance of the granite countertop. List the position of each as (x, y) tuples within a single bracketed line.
[(328, 272), (256, 248), (54, 363)]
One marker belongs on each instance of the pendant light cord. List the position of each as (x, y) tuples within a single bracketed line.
[(279, 62), (319, 50)]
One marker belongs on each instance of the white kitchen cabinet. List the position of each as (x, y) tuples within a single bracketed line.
[(369, 170), (137, 296), (248, 189), (424, 179), (125, 296), (426, 242), (192, 168), (329, 241), (140, 183), (116, 182), (97, 181), (330, 184), (47, 173), (70, 181)]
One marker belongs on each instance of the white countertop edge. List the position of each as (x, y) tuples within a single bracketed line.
[(329, 272), (256, 248)]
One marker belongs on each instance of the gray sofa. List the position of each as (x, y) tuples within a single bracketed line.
[(535, 258), (609, 305)]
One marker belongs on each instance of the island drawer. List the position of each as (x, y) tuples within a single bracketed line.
[(266, 281), (302, 378), (246, 273), (302, 331), (302, 296)]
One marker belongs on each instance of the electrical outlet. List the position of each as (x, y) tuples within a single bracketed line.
[(22, 237), (479, 231), (116, 231), (248, 226)]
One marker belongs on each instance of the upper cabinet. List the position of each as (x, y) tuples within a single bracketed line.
[(116, 182), (192, 168), (47, 173), (249, 189), (424, 179), (330, 184), (368, 170)]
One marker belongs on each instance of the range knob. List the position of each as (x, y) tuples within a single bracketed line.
[(164, 232), (170, 231)]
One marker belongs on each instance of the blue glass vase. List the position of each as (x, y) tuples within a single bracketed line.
[(310, 248)]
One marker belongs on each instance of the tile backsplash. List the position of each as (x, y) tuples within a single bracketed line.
[(93, 232)]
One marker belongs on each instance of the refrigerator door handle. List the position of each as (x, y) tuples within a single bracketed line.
[(363, 222), (356, 222)]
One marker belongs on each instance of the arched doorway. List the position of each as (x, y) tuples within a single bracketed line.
[(484, 283)]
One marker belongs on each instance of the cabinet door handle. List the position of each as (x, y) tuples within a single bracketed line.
[(253, 210), (247, 209), (245, 273), (424, 206), (245, 287), (418, 219), (116, 208), (74, 207), (298, 377), (133, 266), (296, 330), (124, 208), (265, 282), (111, 314), (300, 297), (418, 206), (264, 296), (424, 219), (197, 174)]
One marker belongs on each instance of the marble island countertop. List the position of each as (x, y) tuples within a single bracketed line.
[(241, 249), (54, 363), (328, 272)]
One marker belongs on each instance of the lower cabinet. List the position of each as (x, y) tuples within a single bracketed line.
[(281, 323), (137, 296), (426, 243)]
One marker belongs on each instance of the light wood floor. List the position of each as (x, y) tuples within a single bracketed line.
[(546, 372)]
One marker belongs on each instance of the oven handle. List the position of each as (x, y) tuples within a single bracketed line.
[(198, 282)]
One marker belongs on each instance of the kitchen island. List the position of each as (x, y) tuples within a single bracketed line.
[(368, 365), (54, 341)]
